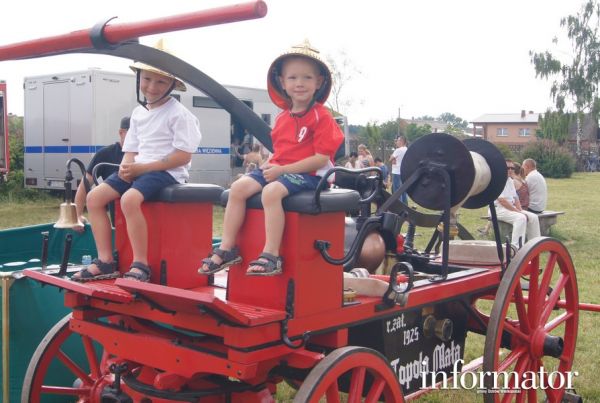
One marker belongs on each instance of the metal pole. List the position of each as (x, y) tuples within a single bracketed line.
[(5, 283), (398, 121), (116, 33)]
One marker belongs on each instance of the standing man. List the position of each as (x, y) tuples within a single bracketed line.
[(396, 160), (508, 209), (111, 154), (538, 191)]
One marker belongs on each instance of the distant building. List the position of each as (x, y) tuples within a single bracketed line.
[(512, 129)]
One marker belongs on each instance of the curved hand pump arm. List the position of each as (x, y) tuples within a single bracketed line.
[(120, 40)]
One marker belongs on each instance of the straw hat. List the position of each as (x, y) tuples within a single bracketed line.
[(136, 66), (278, 95)]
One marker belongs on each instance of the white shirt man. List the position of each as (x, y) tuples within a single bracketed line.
[(538, 191), (396, 160), (508, 209)]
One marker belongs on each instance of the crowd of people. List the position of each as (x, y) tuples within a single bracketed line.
[(362, 158)]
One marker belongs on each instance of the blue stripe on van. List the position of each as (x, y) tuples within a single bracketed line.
[(90, 149), (63, 149), (212, 150), (56, 149)]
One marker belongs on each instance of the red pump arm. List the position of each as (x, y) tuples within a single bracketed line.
[(116, 33)]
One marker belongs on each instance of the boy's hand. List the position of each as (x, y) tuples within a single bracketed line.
[(272, 172), (128, 171)]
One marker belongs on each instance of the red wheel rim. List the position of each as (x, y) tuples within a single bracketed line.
[(546, 310), (50, 350), (363, 367)]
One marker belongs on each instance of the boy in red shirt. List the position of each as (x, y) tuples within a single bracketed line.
[(305, 139)]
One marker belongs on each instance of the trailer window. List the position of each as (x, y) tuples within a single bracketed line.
[(204, 102)]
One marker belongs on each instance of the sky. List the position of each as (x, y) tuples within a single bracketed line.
[(411, 58)]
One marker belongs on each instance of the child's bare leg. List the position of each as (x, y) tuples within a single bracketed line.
[(241, 190), (137, 228), (272, 197), (97, 200)]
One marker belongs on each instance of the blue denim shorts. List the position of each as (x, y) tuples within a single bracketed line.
[(148, 184), (294, 183)]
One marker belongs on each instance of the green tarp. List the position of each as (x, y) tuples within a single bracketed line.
[(33, 308)]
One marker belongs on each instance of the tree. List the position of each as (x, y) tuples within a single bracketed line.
[(578, 79), (554, 125), (452, 120), (15, 142), (343, 71), (371, 136), (413, 131)]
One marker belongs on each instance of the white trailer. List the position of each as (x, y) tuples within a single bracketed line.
[(71, 115), (75, 114)]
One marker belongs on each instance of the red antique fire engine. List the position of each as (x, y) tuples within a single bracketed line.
[(324, 326)]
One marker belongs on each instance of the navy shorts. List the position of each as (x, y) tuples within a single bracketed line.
[(148, 184), (294, 183)]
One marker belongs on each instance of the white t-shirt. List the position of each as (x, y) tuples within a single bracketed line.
[(157, 132), (538, 193), (509, 193), (398, 154)]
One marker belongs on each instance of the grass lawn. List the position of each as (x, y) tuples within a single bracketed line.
[(578, 197)]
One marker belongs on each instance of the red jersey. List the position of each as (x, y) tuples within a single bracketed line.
[(298, 137)]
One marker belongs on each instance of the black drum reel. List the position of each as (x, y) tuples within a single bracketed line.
[(476, 168)]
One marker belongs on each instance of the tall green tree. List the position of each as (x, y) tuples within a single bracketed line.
[(575, 80), (371, 136), (452, 120), (413, 131), (15, 142), (554, 125)]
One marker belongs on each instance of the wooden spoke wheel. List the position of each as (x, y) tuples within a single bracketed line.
[(63, 354), (362, 373), (532, 329)]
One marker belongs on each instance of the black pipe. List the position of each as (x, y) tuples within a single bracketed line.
[(65, 257)]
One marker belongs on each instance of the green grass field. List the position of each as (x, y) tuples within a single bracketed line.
[(578, 197)]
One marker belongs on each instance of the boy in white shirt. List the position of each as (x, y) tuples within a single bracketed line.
[(158, 148)]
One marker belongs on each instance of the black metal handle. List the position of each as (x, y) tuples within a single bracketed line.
[(394, 287), (65, 257), (102, 164), (370, 224), (69, 178), (369, 198)]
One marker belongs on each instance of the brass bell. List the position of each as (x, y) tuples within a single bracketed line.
[(68, 216), (68, 210)]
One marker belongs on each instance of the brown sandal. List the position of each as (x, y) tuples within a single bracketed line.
[(108, 270), (143, 275), (229, 258), (271, 264)]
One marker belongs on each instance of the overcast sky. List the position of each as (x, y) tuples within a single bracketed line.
[(419, 56)]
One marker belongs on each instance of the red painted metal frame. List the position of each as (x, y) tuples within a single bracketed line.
[(116, 33), (179, 236)]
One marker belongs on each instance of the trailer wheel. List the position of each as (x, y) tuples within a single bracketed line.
[(59, 350), (359, 371), (539, 290)]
